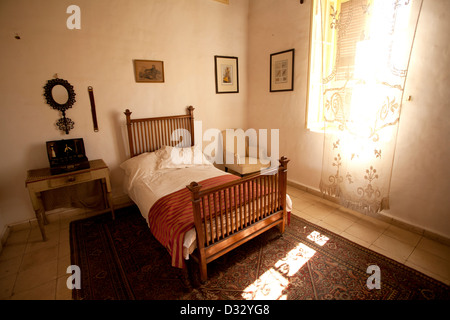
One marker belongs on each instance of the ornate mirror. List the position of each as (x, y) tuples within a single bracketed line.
[(60, 96)]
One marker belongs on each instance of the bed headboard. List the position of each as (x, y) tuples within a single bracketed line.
[(150, 134)]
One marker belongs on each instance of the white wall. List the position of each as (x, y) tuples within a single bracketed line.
[(420, 177), (185, 34), (275, 26)]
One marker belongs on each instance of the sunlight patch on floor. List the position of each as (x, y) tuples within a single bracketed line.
[(318, 238), (272, 283)]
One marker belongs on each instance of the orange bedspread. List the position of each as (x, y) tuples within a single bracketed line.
[(172, 216)]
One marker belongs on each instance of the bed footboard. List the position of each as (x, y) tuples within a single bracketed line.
[(229, 215)]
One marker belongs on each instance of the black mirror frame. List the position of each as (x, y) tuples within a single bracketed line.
[(49, 97)]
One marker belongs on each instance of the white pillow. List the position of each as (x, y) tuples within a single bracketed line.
[(140, 166), (145, 162), (173, 157)]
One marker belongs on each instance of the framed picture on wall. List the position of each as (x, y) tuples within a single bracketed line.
[(148, 70), (227, 75), (282, 71)]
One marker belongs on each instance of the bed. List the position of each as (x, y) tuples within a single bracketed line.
[(191, 207)]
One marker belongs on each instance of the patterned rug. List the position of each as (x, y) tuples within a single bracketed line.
[(120, 260)]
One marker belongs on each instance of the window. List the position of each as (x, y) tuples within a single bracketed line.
[(359, 56), (336, 28)]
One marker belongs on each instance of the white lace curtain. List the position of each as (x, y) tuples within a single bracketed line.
[(360, 57)]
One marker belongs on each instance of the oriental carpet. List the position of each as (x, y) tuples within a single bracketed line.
[(121, 260)]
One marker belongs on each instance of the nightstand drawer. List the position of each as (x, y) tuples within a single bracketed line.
[(67, 180)]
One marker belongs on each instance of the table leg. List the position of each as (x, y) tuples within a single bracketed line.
[(111, 206), (39, 212), (44, 217), (40, 215), (106, 187)]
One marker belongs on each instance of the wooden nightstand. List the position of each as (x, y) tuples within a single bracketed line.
[(40, 180)]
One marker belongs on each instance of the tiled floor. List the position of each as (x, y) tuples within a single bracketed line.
[(405, 246), (33, 269)]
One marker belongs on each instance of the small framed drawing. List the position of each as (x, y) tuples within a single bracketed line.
[(282, 71), (227, 75), (148, 70)]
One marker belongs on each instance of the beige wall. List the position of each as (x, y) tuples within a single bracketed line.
[(421, 174), (185, 34), (276, 26), (420, 177)]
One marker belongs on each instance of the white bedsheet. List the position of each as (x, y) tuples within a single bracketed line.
[(146, 189)]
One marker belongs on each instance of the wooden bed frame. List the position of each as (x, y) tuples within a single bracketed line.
[(260, 198)]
